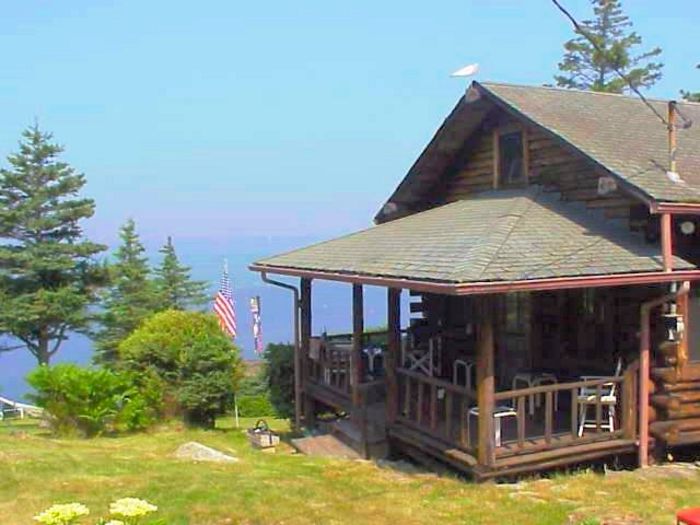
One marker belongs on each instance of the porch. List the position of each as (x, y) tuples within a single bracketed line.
[(522, 306), (458, 358)]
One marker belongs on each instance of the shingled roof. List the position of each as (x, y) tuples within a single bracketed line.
[(619, 133), (513, 235)]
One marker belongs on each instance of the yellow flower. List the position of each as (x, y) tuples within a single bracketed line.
[(131, 508), (114, 522), (62, 514)]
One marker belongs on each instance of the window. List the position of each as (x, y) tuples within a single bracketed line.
[(511, 168)]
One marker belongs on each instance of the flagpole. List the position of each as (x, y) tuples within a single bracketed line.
[(224, 308)]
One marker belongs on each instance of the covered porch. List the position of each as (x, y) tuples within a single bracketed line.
[(455, 358), (519, 351)]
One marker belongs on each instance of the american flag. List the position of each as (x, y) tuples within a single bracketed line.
[(224, 306)]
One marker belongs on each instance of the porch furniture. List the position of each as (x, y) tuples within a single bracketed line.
[(467, 367), (533, 378), (499, 412), (338, 362), (604, 395), (688, 516), (422, 360), (374, 354)]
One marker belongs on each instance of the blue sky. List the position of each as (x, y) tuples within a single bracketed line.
[(215, 119), (244, 128)]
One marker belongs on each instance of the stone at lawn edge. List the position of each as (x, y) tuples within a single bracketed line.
[(197, 452)]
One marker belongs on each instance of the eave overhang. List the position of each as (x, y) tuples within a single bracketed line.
[(488, 287)]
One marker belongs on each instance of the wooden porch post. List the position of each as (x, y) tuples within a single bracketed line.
[(394, 350), (358, 329), (485, 382), (305, 336), (683, 309)]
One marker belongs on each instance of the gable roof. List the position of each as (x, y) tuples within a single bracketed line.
[(510, 235), (619, 133)]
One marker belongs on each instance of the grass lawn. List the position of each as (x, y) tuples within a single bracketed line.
[(37, 471)]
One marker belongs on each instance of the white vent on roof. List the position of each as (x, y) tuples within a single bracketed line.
[(673, 176)]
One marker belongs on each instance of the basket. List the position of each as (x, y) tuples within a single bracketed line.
[(261, 436)]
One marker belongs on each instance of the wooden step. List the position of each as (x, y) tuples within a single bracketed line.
[(325, 445)]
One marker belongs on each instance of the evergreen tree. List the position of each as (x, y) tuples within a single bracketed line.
[(48, 276), (131, 298), (592, 67), (176, 288), (691, 96)]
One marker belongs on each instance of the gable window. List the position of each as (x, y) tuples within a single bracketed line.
[(511, 165)]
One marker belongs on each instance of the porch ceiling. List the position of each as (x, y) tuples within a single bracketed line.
[(505, 236)]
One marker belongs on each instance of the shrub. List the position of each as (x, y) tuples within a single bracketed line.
[(197, 364), (88, 401), (279, 374), (255, 406)]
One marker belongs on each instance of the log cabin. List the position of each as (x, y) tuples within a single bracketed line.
[(546, 241)]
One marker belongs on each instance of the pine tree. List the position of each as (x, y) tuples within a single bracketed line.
[(176, 288), (48, 275), (585, 67), (691, 96), (131, 298)]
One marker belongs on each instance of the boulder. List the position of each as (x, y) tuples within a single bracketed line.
[(197, 452)]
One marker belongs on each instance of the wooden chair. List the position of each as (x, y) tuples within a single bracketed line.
[(422, 360), (588, 397)]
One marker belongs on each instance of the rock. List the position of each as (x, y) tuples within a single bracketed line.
[(198, 452)]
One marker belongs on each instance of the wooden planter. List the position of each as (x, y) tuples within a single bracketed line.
[(260, 436)]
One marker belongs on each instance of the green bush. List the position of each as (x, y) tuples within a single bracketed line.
[(89, 401), (197, 364), (279, 374), (255, 406)]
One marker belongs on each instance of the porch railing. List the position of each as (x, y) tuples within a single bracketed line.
[(441, 410), (332, 368), (593, 395), (437, 407)]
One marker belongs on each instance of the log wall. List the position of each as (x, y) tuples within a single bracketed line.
[(675, 401), (548, 162)]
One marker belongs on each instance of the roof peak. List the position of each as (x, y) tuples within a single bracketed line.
[(486, 84)]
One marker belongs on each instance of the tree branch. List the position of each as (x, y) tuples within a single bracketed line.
[(59, 340)]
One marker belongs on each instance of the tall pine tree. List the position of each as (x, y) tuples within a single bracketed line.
[(131, 297), (176, 288), (592, 67), (691, 96), (48, 275)]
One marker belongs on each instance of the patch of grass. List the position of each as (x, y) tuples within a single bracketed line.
[(289, 488)]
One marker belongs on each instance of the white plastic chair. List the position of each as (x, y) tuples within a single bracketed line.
[(588, 397), (466, 367)]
